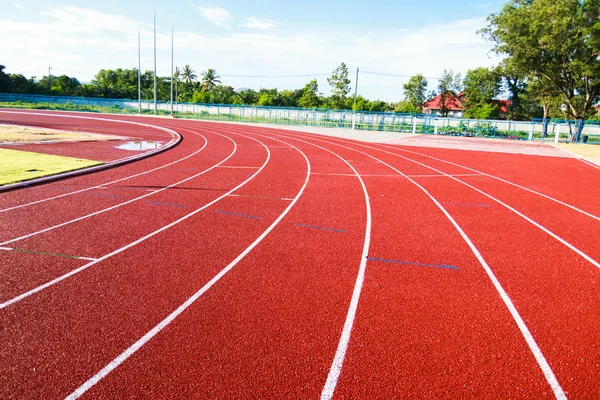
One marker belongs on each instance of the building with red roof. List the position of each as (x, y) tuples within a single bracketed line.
[(455, 104)]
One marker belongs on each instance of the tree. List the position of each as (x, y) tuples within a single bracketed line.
[(65, 86), (6, 84), (448, 87), (556, 42), (340, 88), (481, 85), (415, 92), (210, 79), (310, 95), (188, 74)]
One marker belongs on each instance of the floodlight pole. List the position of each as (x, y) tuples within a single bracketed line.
[(154, 62), (354, 105), (139, 75), (172, 51)]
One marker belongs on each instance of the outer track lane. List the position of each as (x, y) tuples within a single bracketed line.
[(548, 175), (418, 320), (531, 265), (127, 294)]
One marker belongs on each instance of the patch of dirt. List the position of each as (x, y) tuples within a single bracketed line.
[(21, 134)]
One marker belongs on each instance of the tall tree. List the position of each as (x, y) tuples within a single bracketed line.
[(340, 86), (481, 85), (449, 86), (555, 41), (188, 74), (210, 79), (310, 95), (415, 92), (6, 84)]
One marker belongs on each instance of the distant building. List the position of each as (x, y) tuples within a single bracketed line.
[(455, 104)]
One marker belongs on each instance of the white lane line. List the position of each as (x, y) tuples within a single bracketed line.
[(154, 331), (6, 248), (111, 182), (116, 205), (589, 162), (136, 242), (233, 166), (533, 346), (340, 354), (440, 175), (261, 197), (494, 177), (88, 258)]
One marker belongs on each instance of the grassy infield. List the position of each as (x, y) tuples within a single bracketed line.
[(17, 166)]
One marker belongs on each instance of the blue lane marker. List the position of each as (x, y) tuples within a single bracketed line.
[(465, 204), (416, 264), (236, 214), (322, 228), (106, 196), (158, 203)]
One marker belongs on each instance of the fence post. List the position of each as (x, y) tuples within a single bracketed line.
[(414, 124), (435, 126), (557, 135), (531, 131)]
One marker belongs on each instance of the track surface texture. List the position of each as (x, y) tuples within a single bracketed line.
[(250, 262)]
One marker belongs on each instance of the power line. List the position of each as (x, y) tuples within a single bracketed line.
[(274, 76), (396, 75)]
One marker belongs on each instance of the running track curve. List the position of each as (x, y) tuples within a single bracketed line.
[(256, 262)]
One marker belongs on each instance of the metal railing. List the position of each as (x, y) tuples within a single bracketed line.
[(363, 120)]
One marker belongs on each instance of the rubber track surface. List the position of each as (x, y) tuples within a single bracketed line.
[(430, 322)]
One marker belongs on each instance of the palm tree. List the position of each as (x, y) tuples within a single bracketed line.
[(210, 79), (188, 74)]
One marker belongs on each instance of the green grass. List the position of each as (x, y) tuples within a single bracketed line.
[(18, 166)]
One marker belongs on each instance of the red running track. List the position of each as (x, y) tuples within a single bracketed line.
[(233, 266)]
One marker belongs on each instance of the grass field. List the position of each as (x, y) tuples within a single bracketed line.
[(17, 166)]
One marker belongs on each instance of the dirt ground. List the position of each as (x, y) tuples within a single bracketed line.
[(587, 151), (21, 134)]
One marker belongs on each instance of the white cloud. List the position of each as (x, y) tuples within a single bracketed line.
[(259, 23), (18, 6), (216, 15), (85, 40)]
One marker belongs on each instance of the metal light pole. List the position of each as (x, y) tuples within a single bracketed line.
[(139, 75), (154, 62), (172, 71), (176, 82), (354, 105)]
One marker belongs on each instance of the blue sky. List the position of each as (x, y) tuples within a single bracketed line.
[(257, 38)]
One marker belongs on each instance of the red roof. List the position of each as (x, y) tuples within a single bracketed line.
[(503, 105), (453, 103)]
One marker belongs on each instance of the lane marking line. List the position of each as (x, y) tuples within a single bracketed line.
[(261, 197), (465, 204), (414, 263), (45, 253), (154, 331), (533, 346), (234, 166)]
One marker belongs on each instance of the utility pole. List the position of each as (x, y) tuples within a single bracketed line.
[(176, 82), (49, 78), (154, 62), (354, 105), (139, 74), (172, 71)]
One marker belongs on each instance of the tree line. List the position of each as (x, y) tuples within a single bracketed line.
[(550, 69)]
